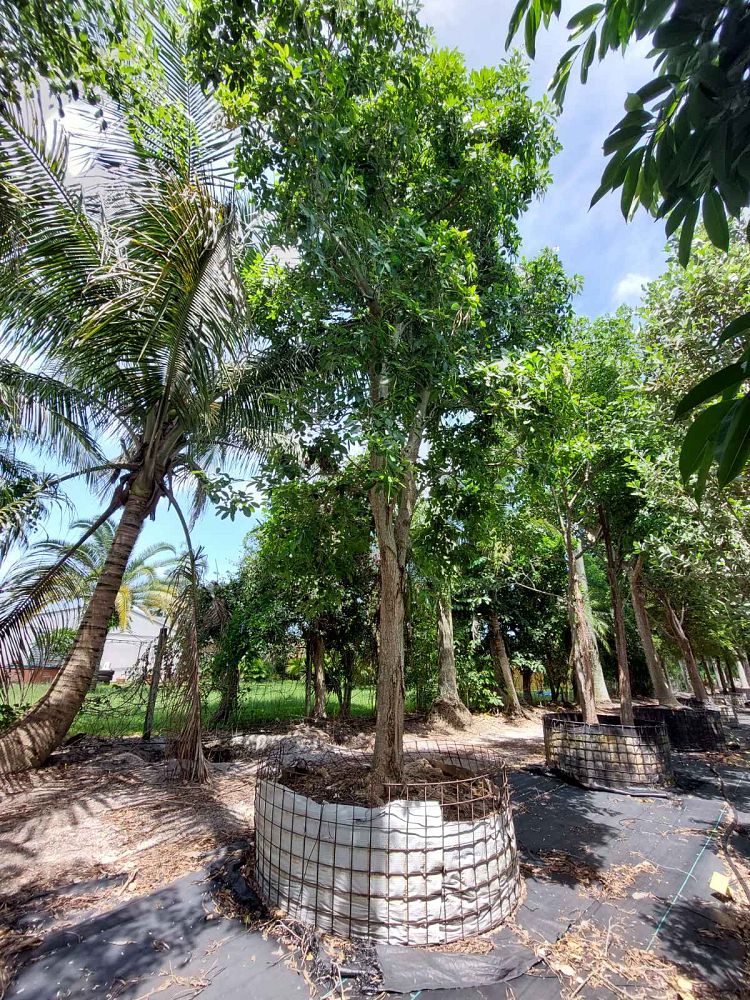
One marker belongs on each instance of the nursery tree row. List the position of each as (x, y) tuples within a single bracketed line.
[(297, 256)]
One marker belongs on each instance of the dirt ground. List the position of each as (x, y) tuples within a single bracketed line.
[(111, 812), (106, 823)]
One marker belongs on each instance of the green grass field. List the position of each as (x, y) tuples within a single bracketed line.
[(118, 710)]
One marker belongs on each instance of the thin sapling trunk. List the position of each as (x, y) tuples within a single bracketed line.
[(583, 657), (501, 665), (601, 692), (318, 652), (663, 692), (448, 705), (621, 647), (683, 642)]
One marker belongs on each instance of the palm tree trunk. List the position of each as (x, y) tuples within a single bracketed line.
[(501, 665), (448, 705), (32, 739), (621, 646), (659, 680)]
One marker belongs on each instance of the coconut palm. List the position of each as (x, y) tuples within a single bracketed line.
[(129, 292)]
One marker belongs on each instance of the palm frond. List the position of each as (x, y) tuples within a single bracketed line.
[(30, 589), (46, 270), (25, 499), (41, 410)]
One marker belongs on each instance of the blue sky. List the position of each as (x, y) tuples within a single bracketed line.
[(613, 257)]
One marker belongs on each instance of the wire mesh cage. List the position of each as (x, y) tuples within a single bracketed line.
[(608, 755), (717, 702), (689, 728), (433, 861), (739, 698), (727, 706)]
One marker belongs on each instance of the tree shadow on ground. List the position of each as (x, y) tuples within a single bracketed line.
[(702, 938), (75, 935)]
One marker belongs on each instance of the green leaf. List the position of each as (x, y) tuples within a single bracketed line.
[(655, 87), (736, 445), (686, 233), (735, 328), (586, 16), (515, 21), (677, 31), (530, 29), (630, 183), (587, 56), (633, 102), (624, 138), (715, 383), (715, 220), (676, 217), (699, 439)]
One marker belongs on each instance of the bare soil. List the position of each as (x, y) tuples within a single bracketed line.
[(107, 807), (111, 813), (461, 793)]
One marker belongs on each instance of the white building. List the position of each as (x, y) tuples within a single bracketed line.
[(124, 647)]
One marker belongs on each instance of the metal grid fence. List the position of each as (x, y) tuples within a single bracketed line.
[(608, 755), (688, 728), (434, 863), (718, 703)]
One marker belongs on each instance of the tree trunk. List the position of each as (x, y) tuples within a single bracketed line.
[(229, 696), (708, 677), (30, 741), (448, 705), (675, 625), (729, 671), (318, 656), (501, 664), (601, 692), (659, 680), (527, 673), (390, 694), (721, 675), (308, 675), (583, 655), (621, 646), (554, 686), (347, 667), (393, 520), (148, 722), (741, 671)]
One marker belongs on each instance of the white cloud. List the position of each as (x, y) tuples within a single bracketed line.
[(440, 13), (629, 288)]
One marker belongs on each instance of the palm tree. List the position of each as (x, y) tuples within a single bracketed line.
[(144, 584), (133, 296)]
